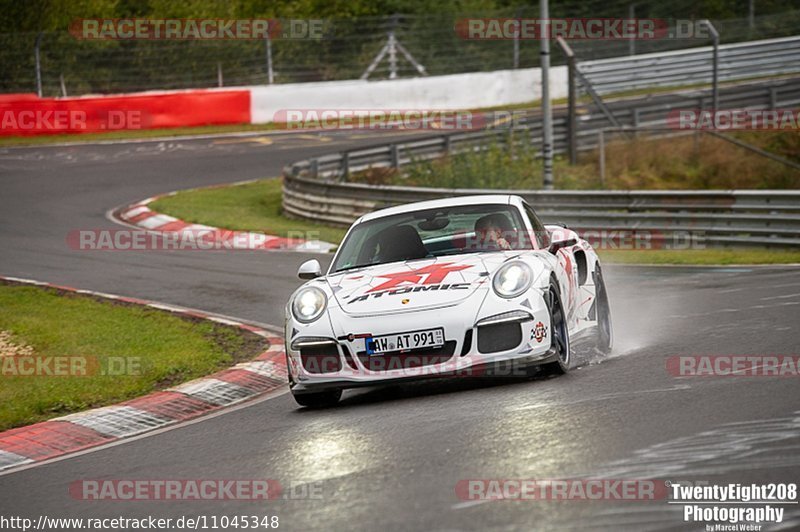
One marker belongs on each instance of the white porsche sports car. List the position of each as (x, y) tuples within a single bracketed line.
[(464, 286)]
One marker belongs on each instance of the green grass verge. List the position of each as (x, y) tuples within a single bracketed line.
[(167, 349), (249, 207)]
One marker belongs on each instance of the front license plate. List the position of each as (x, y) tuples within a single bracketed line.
[(425, 339)]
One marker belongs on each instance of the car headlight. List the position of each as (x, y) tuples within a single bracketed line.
[(309, 304), (512, 279)]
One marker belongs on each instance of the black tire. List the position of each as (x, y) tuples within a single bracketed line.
[(559, 333), (318, 399), (604, 337)]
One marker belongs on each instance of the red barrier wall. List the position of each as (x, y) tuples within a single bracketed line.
[(26, 114)]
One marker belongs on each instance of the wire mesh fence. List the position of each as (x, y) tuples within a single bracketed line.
[(72, 66)]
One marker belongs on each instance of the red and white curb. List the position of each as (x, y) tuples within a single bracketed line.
[(140, 215), (76, 432)]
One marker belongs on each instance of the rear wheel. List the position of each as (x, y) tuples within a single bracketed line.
[(559, 334), (318, 399), (604, 337)]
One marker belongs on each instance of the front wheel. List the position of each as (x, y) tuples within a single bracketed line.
[(559, 334), (604, 337), (318, 399)]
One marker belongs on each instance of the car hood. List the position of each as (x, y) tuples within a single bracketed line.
[(412, 285)]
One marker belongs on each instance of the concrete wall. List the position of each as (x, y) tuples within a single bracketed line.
[(456, 91)]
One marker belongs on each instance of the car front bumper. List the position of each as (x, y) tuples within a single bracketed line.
[(464, 326)]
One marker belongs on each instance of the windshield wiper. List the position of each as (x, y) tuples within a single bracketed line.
[(348, 268), (461, 252)]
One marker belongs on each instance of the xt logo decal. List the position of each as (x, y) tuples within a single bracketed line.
[(433, 274)]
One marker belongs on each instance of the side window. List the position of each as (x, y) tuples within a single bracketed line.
[(542, 236)]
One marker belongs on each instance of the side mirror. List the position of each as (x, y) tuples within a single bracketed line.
[(555, 245), (310, 269)]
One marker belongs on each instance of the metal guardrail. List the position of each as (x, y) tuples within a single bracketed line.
[(728, 218), (691, 67), (316, 189)]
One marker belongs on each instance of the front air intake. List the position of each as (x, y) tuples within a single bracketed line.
[(467, 343), (499, 337), (321, 359)]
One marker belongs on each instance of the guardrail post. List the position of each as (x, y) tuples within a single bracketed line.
[(314, 168), (601, 147), (773, 98), (631, 17), (270, 73), (395, 156), (345, 165), (572, 103), (636, 121), (572, 117), (392, 56), (715, 73), (516, 38), (36, 48), (448, 145), (547, 110), (715, 63)]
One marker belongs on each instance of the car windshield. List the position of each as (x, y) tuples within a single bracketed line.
[(433, 233)]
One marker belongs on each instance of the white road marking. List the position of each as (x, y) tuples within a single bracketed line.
[(785, 296)]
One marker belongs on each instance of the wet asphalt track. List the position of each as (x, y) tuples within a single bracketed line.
[(391, 458)]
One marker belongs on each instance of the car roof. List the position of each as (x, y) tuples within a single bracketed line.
[(481, 199)]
